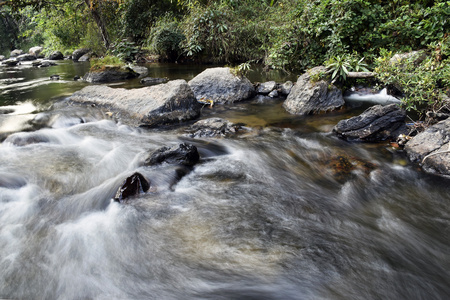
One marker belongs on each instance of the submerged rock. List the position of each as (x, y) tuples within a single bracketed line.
[(213, 127), (184, 154), (377, 123), (26, 138), (168, 103), (153, 81), (110, 74), (221, 86), (309, 96), (431, 148), (132, 186)]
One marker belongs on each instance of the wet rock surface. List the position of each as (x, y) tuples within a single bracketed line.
[(153, 81), (213, 127), (183, 154), (377, 123), (168, 103), (431, 148), (132, 186), (308, 96)]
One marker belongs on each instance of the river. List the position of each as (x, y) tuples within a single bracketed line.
[(273, 213)]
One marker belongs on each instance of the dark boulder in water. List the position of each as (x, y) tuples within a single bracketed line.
[(377, 123), (132, 186), (213, 127), (183, 154)]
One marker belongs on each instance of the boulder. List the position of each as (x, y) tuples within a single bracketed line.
[(26, 57), (46, 63), (168, 103), (16, 53), (132, 186), (26, 138), (10, 62), (56, 55), (417, 57), (2, 57), (221, 86), (266, 87), (153, 81), (110, 74), (182, 154), (308, 97), (285, 88), (213, 127), (431, 148), (79, 53), (273, 94), (85, 57), (35, 51), (141, 70), (376, 123)]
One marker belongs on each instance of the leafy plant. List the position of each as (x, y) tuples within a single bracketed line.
[(338, 66), (99, 64), (125, 50)]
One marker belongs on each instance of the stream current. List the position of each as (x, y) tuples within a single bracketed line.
[(268, 214)]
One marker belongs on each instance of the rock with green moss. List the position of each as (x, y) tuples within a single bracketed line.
[(110, 73), (313, 94)]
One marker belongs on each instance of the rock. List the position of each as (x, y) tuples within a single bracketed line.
[(273, 94), (431, 148), (35, 51), (417, 57), (221, 86), (16, 53), (132, 186), (85, 57), (26, 138), (46, 63), (377, 123), (79, 53), (286, 87), (26, 57), (55, 77), (76, 77), (10, 62), (141, 70), (266, 87), (110, 74), (56, 55), (313, 97), (2, 57), (153, 81), (213, 127), (183, 154), (168, 103)]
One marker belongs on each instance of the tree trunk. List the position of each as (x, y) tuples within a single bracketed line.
[(360, 74), (99, 21)]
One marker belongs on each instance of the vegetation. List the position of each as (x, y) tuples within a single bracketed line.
[(291, 35)]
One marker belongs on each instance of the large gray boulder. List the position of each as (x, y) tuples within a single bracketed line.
[(26, 57), (36, 51), (168, 103), (56, 55), (16, 53), (79, 53), (431, 148), (308, 96), (377, 123), (221, 86), (110, 74)]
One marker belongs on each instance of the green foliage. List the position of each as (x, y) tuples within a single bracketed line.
[(98, 64), (424, 81), (165, 39), (339, 66), (125, 50)]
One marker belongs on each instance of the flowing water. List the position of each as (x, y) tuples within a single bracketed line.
[(284, 211)]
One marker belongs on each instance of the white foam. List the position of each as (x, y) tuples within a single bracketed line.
[(381, 97)]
